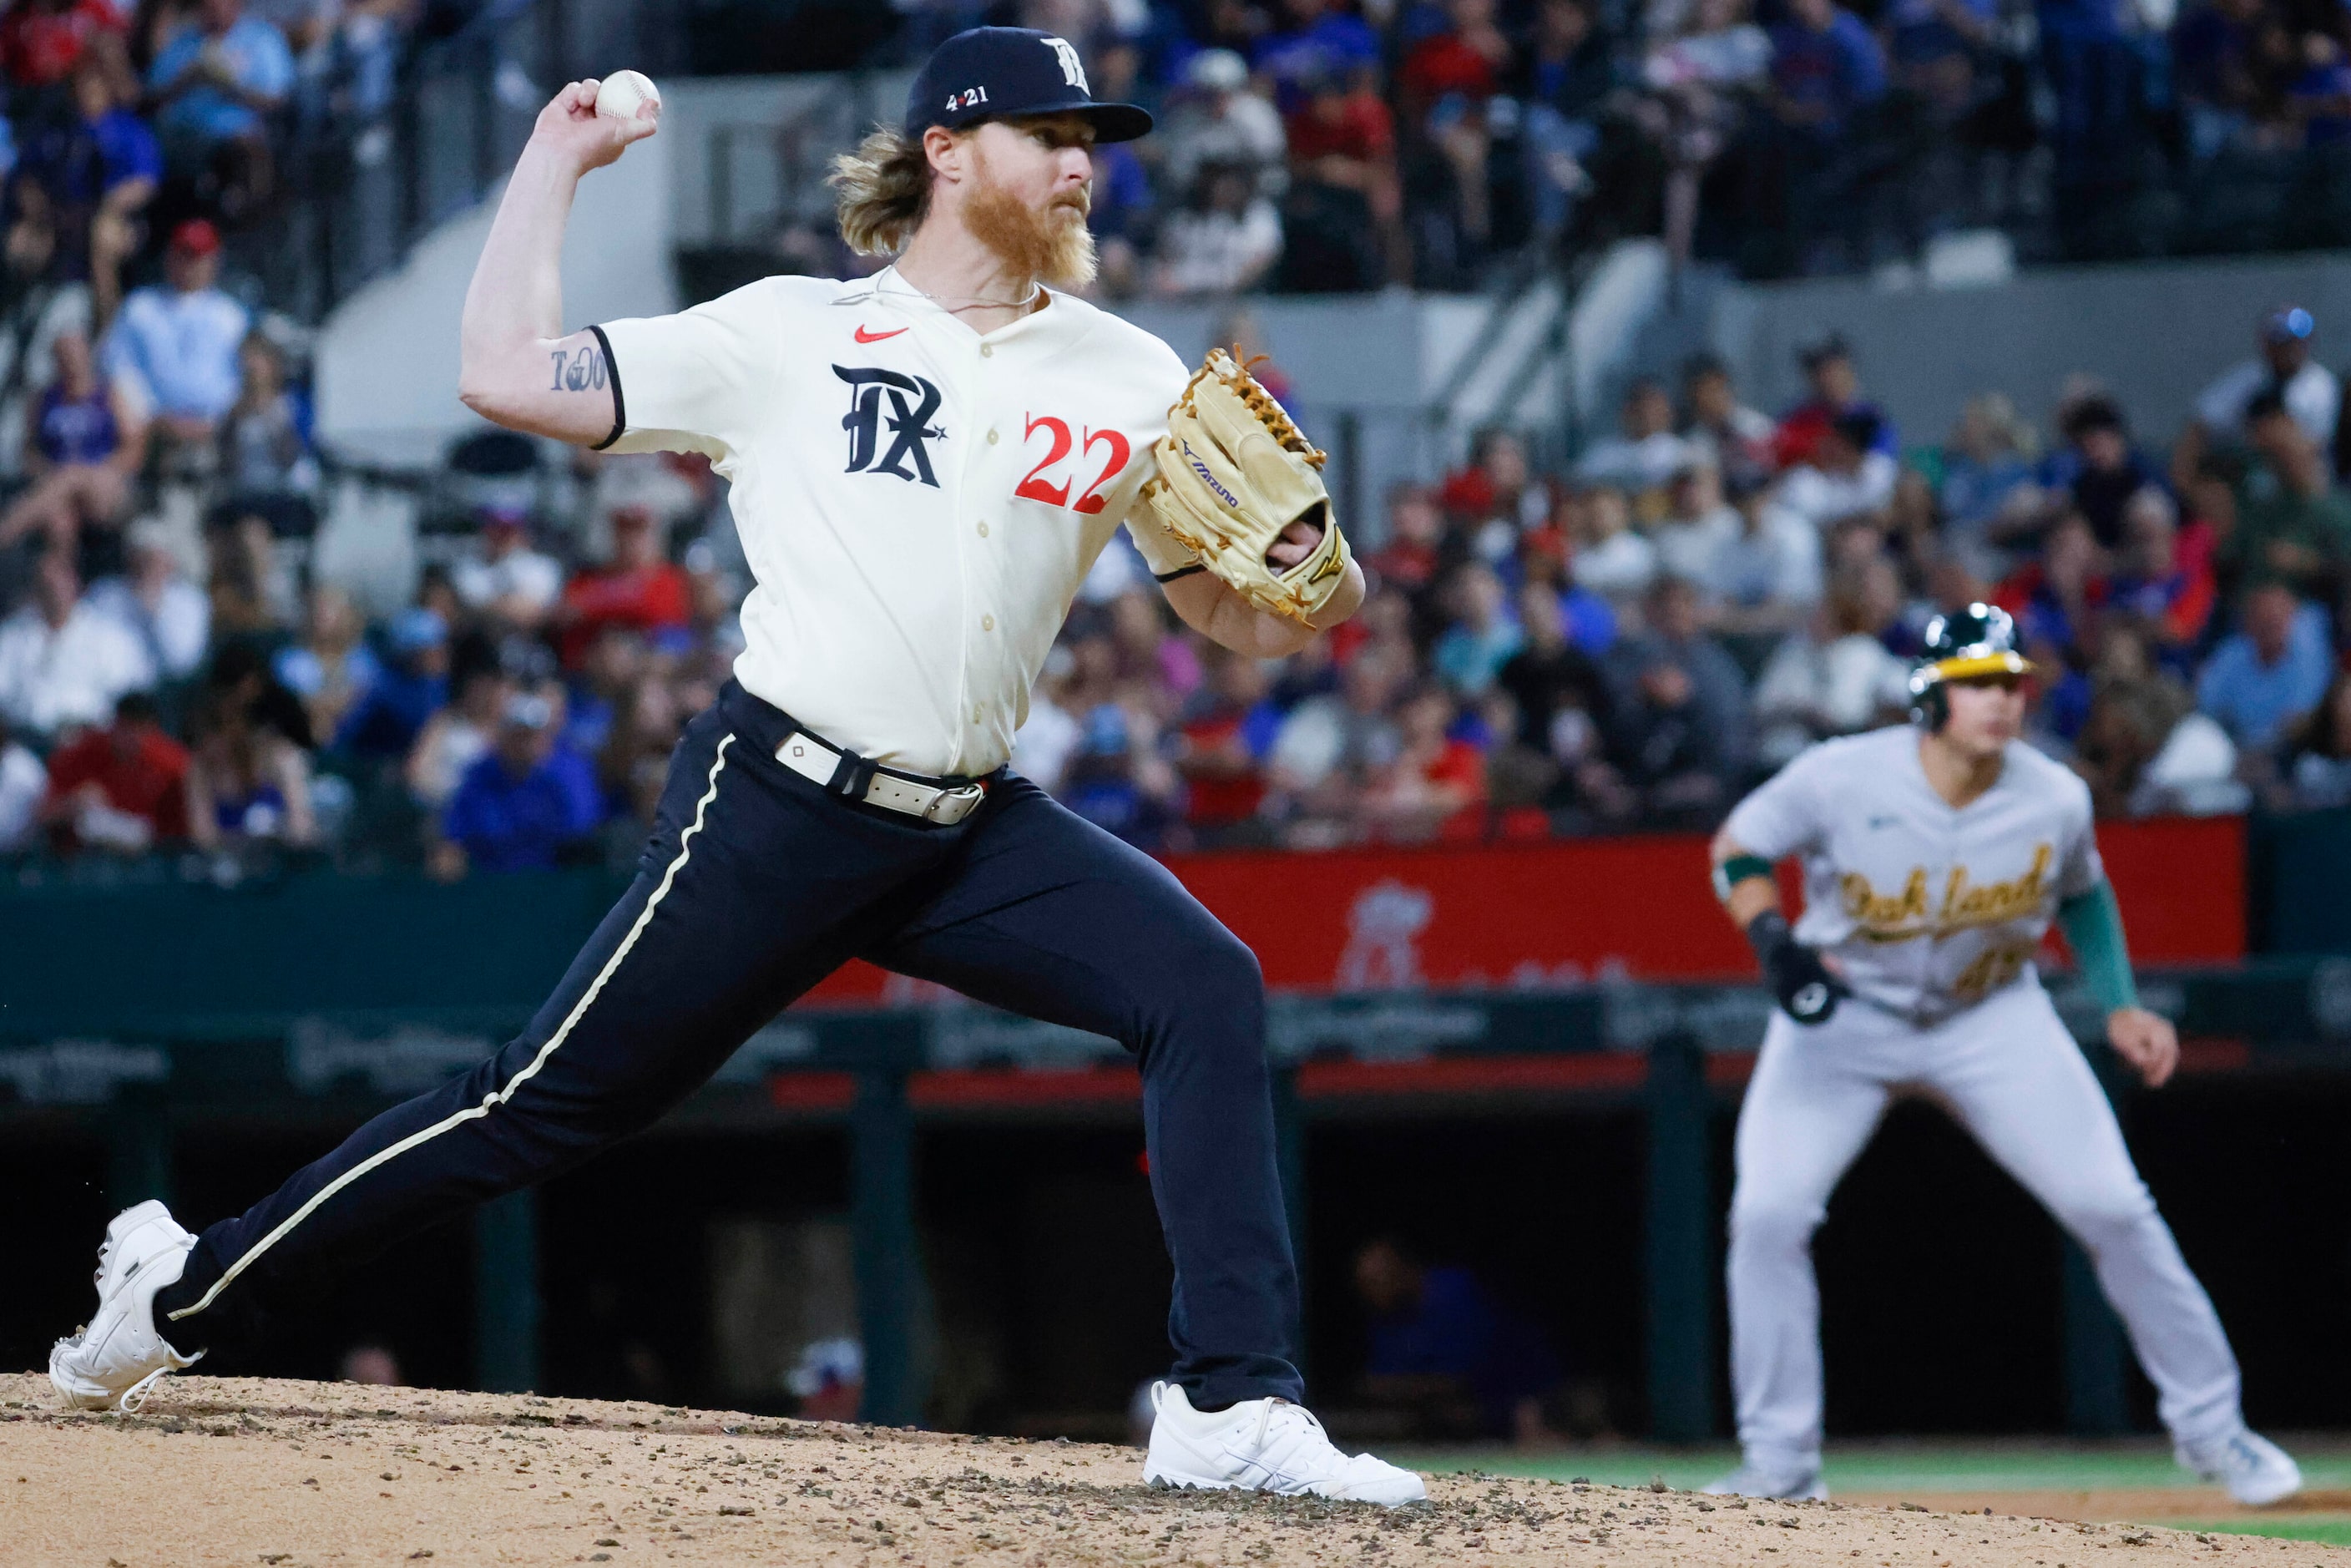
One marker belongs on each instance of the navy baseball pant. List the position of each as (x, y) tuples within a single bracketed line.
[(756, 884)]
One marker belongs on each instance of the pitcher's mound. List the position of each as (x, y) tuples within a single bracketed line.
[(242, 1471)]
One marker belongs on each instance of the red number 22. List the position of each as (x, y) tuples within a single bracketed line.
[(1035, 488)]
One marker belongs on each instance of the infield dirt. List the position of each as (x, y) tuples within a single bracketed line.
[(239, 1471)]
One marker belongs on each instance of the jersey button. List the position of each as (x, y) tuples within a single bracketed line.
[(988, 622), (991, 438), (983, 531), (988, 350), (975, 715)]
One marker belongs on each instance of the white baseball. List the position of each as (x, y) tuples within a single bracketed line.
[(620, 94)]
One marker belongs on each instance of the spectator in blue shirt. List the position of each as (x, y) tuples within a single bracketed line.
[(1590, 619), (2097, 72), (1934, 42), (178, 344), (217, 76), (2320, 95), (2269, 673), (1808, 150), (1118, 782), (2215, 70), (92, 174), (1119, 215), (1320, 43), (526, 806), (383, 724), (1825, 65), (1484, 634), (211, 87)]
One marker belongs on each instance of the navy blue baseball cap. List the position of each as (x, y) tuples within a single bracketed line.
[(996, 73), (2290, 324)]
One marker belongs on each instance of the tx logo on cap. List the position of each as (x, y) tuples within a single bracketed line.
[(1009, 73), (1073, 70)]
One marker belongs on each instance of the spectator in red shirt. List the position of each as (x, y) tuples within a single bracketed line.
[(1342, 221), (2156, 580), (1435, 778), (1225, 744), (123, 788), (2207, 515), (41, 41), (1835, 392), (1410, 557), (1447, 81), (639, 589), (2057, 600), (1497, 497)]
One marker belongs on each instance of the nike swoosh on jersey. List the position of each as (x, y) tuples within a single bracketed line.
[(865, 337)]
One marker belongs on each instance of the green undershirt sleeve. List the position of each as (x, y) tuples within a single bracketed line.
[(2093, 924)]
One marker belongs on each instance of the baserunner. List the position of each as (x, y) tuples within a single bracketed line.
[(1935, 855)]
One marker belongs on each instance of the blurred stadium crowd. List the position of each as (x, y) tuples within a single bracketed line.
[(1339, 144), (1625, 646), (1631, 645)]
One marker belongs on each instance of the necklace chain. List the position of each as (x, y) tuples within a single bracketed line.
[(976, 302)]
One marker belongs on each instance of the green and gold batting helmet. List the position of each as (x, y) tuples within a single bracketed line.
[(1971, 644)]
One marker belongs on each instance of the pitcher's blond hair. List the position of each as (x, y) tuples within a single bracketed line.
[(882, 191)]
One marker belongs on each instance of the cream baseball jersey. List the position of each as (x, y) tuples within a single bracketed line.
[(918, 502), (1927, 909)]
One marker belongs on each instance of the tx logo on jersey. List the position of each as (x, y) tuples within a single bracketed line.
[(906, 425)]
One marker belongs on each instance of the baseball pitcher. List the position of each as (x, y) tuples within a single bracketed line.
[(1935, 855), (924, 463)]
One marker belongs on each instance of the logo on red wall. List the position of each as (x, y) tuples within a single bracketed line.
[(1579, 910), (1384, 927)]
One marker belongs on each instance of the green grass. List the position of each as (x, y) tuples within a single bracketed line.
[(1921, 1466), (1923, 1469), (2326, 1529)]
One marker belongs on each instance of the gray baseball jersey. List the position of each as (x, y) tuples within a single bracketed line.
[(1927, 909)]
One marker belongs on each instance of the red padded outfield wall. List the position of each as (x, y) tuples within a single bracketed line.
[(1578, 909)]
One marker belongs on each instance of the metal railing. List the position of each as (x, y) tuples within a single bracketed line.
[(1524, 354), (367, 181), (747, 203)]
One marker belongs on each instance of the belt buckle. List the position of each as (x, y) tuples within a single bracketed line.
[(966, 796)]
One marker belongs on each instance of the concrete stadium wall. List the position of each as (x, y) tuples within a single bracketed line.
[(387, 356), (2155, 332)]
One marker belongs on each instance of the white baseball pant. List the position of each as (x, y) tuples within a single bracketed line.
[(2013, 1077)]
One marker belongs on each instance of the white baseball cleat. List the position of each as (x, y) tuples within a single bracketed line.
[(1799, 1483), (2256, 1471), (116, 1358), (1263, 1445)]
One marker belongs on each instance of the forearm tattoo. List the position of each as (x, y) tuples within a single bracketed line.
[(578, 370)]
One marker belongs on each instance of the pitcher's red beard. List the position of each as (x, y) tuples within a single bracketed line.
[(1053, 245)]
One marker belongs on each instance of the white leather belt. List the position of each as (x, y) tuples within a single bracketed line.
[(815, 761)]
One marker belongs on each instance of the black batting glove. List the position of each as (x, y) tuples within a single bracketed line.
[(1806, 989)]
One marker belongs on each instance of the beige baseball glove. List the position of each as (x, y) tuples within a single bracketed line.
[(1233, 472)]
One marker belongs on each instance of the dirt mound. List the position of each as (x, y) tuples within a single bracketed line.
[(221, 1471)]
